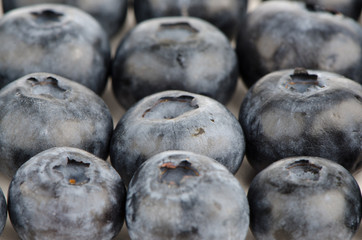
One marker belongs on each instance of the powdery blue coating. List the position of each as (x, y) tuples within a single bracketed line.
[(42, 110), (225, 15), (304, 198), (210, 205), (323, 121), (282, 35), (54, 38), (350, 8), (111, 14), (46, 200), (174, 53), (176, 120)]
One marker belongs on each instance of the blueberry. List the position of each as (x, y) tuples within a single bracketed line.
[(3, 211), (41, 110), (225, 15), (183, 195), (180, 53), (111, 14), (304, 198), (350, 8), (303, 113), (176, 120), (66, 193), (282, 35), (57, 39)]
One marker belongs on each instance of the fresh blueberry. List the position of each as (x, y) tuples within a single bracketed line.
[(350, 8), (304, 198), (66, 193), (57, 39), (111, 14), (282, 35), (182, 195), (41, 110), (3, 211), (180, 53), (303, 113), (225, 15), (176, 120)]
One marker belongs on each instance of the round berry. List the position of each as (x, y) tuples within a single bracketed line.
[(304, 198), (183, 195), (66, 193)]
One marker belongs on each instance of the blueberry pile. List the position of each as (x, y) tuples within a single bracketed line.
[(145, 119)]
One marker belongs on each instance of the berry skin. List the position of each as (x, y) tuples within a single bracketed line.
[(182, 195), (283, 35), (176, 120), (303, 113), (57, 39), (304, 198), (350, 8), (225, 15), (111, 14), (178, 53), (66, 193), (42, 110)]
